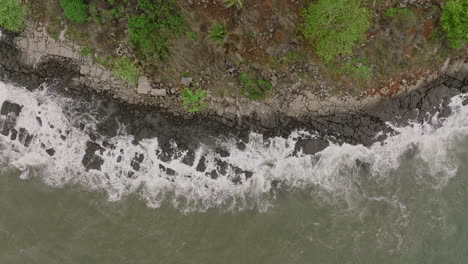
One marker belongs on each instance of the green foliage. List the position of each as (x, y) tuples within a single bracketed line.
[(85, 51), (218, 32), (254, 88), (12, 14), (151, 30), (107, 62), (334, 26), (193, 100), (74, 10), (231, 3), (357, 68), (289, 57), (455, 22), (126, 70), (401, 18), (395, 11)]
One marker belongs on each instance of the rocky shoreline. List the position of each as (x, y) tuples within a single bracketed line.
[(361, 123), (33, 57)]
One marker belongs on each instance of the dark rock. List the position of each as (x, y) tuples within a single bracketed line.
[(311, 146), (50, 151), (214, 175), (10, 108), (170, 171), (39, 120), (108, 127), (90, 159), (189, 158), (221, 166), (201, 167), (241, 146), (222, 152), (135, 163), (14, 134)]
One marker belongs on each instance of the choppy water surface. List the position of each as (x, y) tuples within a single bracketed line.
[(401, 201)]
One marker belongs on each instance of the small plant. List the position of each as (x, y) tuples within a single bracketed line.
[(289, 57), (74, 10), (334, 26), (231, 3), (12, 14), (126, 70), (395, 11), (85, 51), (357, 68), (455, 22), (218, 32), (151, 30), (402, 18), (254, 88), (107, 62), (193, 100)]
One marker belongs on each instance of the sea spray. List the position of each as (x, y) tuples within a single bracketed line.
[(338, 171)]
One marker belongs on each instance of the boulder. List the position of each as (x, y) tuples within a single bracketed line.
[(186, 81), (144, 85), (158, 92)]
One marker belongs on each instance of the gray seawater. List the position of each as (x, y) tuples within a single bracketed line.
[(409, 204)]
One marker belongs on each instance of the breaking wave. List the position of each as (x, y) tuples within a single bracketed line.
[(53, 146)]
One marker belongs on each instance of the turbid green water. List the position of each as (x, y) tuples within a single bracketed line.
[(404, 200), (405, 221)]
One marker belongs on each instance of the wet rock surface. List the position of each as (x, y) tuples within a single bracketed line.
[(178, 137)]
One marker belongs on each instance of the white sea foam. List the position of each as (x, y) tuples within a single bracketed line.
[(334, 171)]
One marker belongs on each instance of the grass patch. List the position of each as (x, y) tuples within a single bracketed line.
[(334, 26), (395, 11), (75, 35), (12, 14), (402, 18), (85, 51), (253, 87), (289, 57), (125, 70), (455, 22), (151, 29), (218, 32), (75, 10), (231, 3), (193, 100), (357, 68)]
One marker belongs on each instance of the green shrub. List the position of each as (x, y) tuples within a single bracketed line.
[(334, 26), (151, 30), (74, 10), (231, 3), (357, 68), (455, 22), (395, 11), (85, 51), (218, 32), (12, 14), (193, 100), (126, 70), (254, 88)]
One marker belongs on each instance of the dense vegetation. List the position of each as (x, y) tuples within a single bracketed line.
[(75, 10), (12, 14), (253, 87), (126, 70), (193, 100), (455, 22), (151, 29), (334, 26), (218, 32)]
